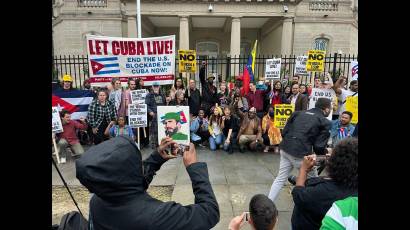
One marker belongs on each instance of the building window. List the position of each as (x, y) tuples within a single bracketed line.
[(245, 48), (321, 44)]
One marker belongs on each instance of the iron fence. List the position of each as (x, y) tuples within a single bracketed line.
[(223, 67)]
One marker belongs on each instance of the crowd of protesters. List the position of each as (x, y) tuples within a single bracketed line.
[(223, 118)]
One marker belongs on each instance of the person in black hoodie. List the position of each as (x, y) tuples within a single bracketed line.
[(305, 132), (209, 91), (115, 172), (314, 197)]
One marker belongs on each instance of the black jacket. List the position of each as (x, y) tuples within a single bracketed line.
[(313, 201), (209, 94), (115, 173), (194, 101), (305, 130)]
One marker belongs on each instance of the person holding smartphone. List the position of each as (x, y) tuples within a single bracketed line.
[(262, 215)]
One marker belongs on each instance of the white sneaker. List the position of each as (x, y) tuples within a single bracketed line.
[(62, 160)]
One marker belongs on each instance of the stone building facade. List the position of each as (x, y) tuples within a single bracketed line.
[(230, 28)]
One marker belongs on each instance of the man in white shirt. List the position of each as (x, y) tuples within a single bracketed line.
[(343, 93)]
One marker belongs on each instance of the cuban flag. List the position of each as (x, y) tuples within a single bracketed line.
[(75, 101), (105, 65), (183, 117), (342, 133), (355, 70)]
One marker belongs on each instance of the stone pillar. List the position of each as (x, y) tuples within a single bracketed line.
[(287, 36), (183, 33), (132, 27), (235, 44)]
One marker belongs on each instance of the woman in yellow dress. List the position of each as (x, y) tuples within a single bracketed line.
[(270, 134)]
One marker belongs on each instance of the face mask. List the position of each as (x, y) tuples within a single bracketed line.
[(271, 114)]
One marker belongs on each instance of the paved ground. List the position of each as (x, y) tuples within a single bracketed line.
[(235, 179)]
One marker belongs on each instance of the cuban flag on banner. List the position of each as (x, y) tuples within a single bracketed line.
[(75, 101), (355, 70), (183, 117), (105, 65)]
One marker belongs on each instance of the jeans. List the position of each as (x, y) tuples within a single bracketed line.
[(287, 162), (232, 142), (63, 144), (99, 136), (214, 142), (248, 139)]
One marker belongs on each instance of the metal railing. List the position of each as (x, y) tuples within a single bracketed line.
[(224, 67)]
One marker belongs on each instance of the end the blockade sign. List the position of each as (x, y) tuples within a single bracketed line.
[(272, 70), (187, 61), (150, 59), (315, 61)]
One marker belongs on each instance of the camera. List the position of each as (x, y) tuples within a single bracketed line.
[(285, 8), (320, 159), (210, 8)]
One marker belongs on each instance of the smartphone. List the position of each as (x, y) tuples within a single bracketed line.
[(246, 217), (320, 159)]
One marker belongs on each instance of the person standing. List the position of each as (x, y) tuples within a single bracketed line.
[(154, 99), (299, 100), (304, 131), (194, 98), (255, 99), (177, 87), (276, 96), (223, 95), (342, 93), (209, 91), (100, 113)]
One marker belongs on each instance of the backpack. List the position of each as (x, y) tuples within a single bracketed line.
[(73, 221)]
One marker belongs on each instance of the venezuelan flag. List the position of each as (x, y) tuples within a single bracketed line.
[(249, 70)]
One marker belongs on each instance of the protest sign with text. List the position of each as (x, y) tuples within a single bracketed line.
[(173, 121), (150, 59), (315, 61), (352, 103), (282, 114), (137, 115), (318, 93), (56, 125), (138, 96), (187, 61), (355, 70), (272, 70), (300, 65)]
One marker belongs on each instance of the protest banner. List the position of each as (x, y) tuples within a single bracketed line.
[(300, 65), (355, 70), (137, 115), (56, 125), (150, 59), (282, 114), (138, 96), (272, 70), (187, 61), (352, 105), (315, 61), (173, 121), (318, 93)]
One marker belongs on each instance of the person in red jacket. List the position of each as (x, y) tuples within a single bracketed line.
[(68, 138), (255, 99)]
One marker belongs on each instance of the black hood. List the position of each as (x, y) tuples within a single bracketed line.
[(112, 169)]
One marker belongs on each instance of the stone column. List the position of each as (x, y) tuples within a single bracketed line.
[(184, 41), (287, 36), (183, 33), (235, 44), (132, 27)]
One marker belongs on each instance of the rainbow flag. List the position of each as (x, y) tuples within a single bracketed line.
[(249, 70)]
